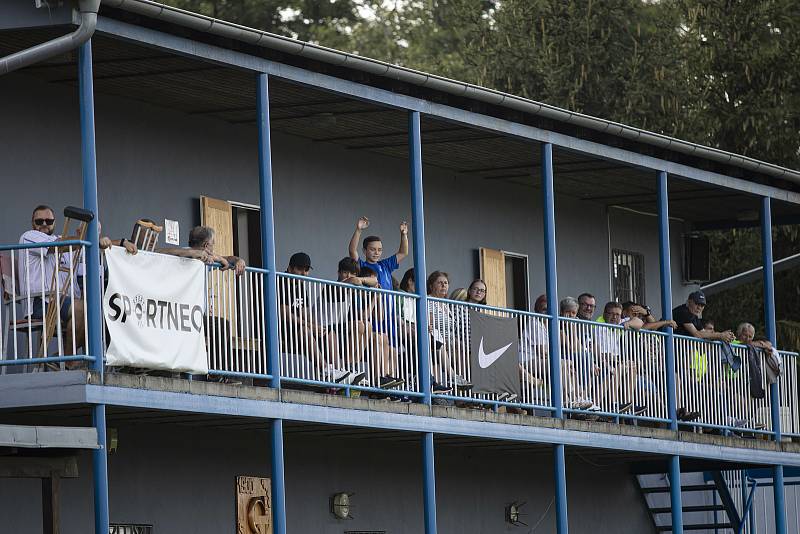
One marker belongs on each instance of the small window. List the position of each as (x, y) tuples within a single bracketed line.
[(627, 276)]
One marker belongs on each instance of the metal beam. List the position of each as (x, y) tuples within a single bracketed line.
[(208, 404), (727, 499), (188, 47), (751, 275)]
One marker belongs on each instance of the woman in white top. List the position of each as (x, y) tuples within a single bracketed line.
[(444, 339)]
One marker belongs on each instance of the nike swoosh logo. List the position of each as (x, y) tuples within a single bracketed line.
[(485, 360)]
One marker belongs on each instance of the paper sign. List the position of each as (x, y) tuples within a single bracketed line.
[(173, 232)]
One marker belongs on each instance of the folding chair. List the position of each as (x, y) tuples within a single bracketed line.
[(145, 234), (67, 261)]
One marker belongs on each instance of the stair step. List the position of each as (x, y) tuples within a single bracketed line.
[(699, 526), (665, 489), (698, 508)]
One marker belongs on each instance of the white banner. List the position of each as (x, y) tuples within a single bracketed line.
[(154, 308)]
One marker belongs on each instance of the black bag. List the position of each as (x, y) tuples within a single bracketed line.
[(756, 376)]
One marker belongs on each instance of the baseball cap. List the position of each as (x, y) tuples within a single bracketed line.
[(300, 259), (698, 297)]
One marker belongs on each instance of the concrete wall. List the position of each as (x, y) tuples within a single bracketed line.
[(181, 479), (155, 163)]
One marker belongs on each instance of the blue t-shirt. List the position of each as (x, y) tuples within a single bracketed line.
[(384, 269)]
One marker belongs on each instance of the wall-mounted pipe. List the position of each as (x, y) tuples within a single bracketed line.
[(87, 10)]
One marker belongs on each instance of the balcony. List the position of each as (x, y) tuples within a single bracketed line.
[(339, 339)]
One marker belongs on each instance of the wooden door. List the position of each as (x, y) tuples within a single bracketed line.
[(493, 272), (222, 295), (218, 215)]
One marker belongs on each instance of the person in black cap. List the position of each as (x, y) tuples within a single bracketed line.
[(690, 323)]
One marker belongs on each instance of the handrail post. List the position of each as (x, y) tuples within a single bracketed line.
[(92, 297), (423, 338), (271, 297), (772, 335), (551, 285)]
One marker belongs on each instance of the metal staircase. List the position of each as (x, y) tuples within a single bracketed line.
[(708, 506)]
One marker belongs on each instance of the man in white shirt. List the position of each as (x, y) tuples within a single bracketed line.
[(36, 267)]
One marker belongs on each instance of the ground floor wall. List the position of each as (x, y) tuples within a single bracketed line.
[(180, 478)]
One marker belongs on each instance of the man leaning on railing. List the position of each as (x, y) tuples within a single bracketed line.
[(201, 247), (688, 317)]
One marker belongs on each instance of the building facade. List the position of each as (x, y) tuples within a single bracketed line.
[(163, 114)]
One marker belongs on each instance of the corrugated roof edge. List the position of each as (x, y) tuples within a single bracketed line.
[(251, 36)]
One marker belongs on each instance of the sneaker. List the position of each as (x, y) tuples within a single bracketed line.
[(511, 397), (356, 379), (687, 416), (461, 383), (624, 407), (436, 387), (390, 382), (639, 410), (338, 375), (581, 404)]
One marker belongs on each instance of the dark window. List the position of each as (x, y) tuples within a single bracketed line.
[(627, 276), (247, 234)]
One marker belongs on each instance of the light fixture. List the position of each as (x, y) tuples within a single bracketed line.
[(514, 512), (112, 440), (340, 505)]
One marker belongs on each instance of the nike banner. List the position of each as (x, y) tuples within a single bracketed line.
[(494, 353)]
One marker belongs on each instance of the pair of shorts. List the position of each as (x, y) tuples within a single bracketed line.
[(37, 310)]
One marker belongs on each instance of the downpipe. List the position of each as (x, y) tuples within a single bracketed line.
[(87, 10)]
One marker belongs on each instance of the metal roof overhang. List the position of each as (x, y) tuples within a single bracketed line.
[(162, 75)]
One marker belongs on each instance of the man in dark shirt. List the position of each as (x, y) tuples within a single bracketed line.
[(687, 316)]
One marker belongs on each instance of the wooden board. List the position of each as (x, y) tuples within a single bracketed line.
[(218, 215), (253, 505), (493, 272)]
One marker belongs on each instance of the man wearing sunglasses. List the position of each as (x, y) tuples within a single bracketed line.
[(36, 267)]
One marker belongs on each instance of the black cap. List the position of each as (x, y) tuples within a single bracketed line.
[(698, 297), (300, 259)]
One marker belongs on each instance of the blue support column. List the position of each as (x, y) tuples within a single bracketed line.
[(551, 278), (429, 483), (669, 345), (418, 236), (271, 298), (666, 293), (423, 339), (551, 288), (675, 501), (92, 297), (772, 335)]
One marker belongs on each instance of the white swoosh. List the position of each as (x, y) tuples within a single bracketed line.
[(485, 360)]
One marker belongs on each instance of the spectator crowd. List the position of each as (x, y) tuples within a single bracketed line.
[(597, 373)]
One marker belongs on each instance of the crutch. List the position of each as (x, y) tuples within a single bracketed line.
[(53, 315), (145, 234)]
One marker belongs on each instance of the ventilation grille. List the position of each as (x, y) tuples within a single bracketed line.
[(123, 528)]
